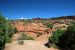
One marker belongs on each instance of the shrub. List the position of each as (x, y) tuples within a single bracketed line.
[(5, 32), (67, 40), (53, 40), (25, 37), (49, 25), (2, 32), (15, 30), (56, 35), (8, 39)]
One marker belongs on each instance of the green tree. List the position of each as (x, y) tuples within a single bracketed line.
[(2, 32), (5, 32), (54, 39), (67, 40), (56, 35)]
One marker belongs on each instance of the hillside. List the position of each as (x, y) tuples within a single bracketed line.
[(66, 17), (39, 29)]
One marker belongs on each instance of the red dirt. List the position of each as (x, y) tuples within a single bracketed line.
[(32, 29)]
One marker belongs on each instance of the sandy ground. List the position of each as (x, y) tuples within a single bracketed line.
[(28, 45)]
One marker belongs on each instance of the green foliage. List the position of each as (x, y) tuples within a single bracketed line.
[(5, 32), (67, 40), (25, 37), (15, 30), (8, 39), (56, 35), (2, 32), (54, 45), (2, 20), (49, 25), (8, 33)]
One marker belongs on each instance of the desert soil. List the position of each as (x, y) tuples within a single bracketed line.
[(37, 44), (28, 45)]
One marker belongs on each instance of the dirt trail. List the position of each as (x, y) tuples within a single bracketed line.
[(28, 45)]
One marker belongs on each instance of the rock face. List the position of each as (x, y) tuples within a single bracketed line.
[(33, 29), (58, 26), (38, 29)]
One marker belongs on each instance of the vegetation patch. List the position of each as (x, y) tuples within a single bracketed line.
[(25, 37), (63, 39)]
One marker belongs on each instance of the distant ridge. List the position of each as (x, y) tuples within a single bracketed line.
[(61, 17), (66, 17)]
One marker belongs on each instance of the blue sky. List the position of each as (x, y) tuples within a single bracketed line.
[(14, 9)]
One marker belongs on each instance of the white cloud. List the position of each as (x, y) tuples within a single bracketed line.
[(21, 18), (6, 18)]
